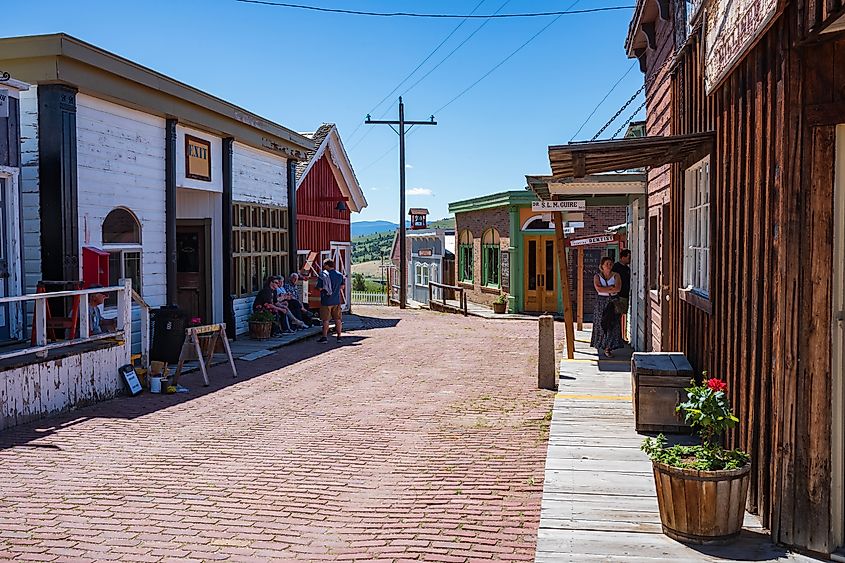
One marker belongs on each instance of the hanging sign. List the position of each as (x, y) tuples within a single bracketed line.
[(546, 206), (4, 103), (589, 241), (506, 271), (732, 29), (197, 158)]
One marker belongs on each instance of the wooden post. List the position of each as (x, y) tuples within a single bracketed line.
[(580, 288), (546, 368), (563, 268)]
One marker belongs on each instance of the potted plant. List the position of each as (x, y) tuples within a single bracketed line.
[(500, 304), (701, 489), (261, 324)]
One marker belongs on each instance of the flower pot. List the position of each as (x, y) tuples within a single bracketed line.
[(260, 330), (701, 507), (500, 308)]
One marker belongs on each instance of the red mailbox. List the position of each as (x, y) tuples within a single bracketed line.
[(95, 266)]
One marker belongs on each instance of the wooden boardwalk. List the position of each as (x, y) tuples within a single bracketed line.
[(599, 502)]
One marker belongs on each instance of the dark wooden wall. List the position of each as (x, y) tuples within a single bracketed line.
[(771, 248)]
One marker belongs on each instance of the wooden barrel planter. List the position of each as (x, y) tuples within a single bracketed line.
[(260, 330), (500, 308), (701, 507)]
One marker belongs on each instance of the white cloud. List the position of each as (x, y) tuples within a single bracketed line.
[(409, 166), (373, 189), (419, 191)]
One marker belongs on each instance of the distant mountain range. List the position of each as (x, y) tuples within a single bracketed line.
[(364, 228)]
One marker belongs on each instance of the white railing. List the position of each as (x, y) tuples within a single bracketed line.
[(42, 347), (369, 298), (145, 328)]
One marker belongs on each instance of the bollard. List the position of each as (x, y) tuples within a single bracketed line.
[(546, 365)]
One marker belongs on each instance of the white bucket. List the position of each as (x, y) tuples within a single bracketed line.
[(155, 384)]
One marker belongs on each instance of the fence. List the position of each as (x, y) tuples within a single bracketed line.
[(436, 289), (369, 298), (40, 345)]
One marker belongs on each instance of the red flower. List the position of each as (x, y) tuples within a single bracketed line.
[(716, 384)]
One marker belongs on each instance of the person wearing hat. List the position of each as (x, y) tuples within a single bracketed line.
[(96, 322)]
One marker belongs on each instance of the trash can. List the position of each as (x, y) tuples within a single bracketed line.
[(658, 380), (168, 324)]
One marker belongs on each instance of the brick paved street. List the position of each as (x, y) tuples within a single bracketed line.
[(420, 441)]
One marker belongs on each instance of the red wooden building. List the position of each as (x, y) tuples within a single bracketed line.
[(327, 193)]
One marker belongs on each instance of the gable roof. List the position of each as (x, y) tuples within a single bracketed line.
[(327, 139)]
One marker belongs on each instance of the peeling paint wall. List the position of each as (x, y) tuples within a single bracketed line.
[(39, 390)]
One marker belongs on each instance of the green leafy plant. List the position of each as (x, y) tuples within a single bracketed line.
[(708, 412), (262, 316), (501, 299)]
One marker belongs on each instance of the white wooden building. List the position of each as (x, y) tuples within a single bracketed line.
[(126, 174)]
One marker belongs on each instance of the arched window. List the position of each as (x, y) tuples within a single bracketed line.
[(490, 258), (122, 240), (465, 257), (537, 223), (421, 277), (121, 227)]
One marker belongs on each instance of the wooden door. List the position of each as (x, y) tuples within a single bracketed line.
[(540, 277), (655, 305), (193, 271)]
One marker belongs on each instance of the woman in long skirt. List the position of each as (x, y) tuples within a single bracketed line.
[(607, 330)]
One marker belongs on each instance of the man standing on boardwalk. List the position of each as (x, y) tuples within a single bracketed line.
[(331, 285)]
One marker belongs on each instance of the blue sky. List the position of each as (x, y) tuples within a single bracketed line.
[(302, 68)]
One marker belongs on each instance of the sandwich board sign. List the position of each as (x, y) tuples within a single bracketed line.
[(548, 206)]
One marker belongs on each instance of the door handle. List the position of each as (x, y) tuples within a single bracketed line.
[(840, 317)]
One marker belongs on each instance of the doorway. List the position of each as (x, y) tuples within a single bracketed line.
[(193, 268), (5, 273), (838, 350), (540, 274)]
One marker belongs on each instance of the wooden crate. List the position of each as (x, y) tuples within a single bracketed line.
[(658, 380)]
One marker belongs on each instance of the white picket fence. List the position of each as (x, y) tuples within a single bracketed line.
[(368, 298)]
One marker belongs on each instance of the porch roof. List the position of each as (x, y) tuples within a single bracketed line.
[(595, 185), (577, 160)]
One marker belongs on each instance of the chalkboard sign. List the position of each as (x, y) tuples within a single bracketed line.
[(506, 271)]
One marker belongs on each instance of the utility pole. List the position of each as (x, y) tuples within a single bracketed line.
[(403, 258)]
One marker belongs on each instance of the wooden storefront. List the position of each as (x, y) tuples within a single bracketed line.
[(767, 109)]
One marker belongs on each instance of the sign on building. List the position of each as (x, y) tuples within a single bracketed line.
[(197, 158), (547, 206), (506, 271), (732, 27), (4, 103), (588, 241), (425, 252)]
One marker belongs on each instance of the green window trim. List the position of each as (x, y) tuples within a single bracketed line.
[(491, 265), (465, 263)]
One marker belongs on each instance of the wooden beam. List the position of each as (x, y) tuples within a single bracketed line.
[(560, 244), (581, 288), (663, 7), (643, 58), (579, 165)]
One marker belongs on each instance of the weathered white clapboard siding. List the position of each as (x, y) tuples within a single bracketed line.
[(120, 156), (259, 177), (243, 309), (197, 204), (30, 205), (39, 390)]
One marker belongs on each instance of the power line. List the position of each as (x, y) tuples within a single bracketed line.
[(452, 52), (410, 74), (506, 59), (441, 16), (603, 100)]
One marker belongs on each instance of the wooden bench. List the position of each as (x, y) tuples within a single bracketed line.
[(658, 380)]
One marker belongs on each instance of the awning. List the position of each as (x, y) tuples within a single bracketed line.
[(592, 186), (577, 160)]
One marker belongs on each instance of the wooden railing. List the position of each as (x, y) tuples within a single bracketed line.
[(42, 347), (460, 304), (145, 328)]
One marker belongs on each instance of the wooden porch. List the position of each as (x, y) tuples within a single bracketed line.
[(599, 501)]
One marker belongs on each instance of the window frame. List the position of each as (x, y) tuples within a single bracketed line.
[(491, 248), (697, 228), (259, 245), (121, 249), (466, 257), (421, 274)]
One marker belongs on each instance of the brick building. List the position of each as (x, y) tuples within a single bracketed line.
[(502, 246)]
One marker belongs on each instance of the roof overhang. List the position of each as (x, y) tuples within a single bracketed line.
[(642, 31), (579, 160), (341, 168), (61, 58), (599, 189), (836, 23)]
